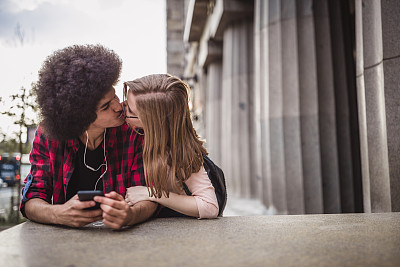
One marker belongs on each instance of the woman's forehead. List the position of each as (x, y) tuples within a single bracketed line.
[(131, 102)]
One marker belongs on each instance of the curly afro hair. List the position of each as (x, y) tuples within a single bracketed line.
[(71, 83)]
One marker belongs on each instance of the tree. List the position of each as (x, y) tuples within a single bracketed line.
[(23, 105)]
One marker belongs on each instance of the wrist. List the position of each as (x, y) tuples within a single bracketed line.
[(54, 211), (134, 214), (154, 199)]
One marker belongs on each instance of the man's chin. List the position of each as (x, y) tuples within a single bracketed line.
[(118, 122)]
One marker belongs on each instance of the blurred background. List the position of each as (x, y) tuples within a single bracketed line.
[(298, 100), (30, 30)]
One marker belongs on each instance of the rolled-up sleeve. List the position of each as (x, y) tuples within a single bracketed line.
[(204, 193), (38, 182)]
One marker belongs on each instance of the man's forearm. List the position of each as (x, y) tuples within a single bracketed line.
[(143, 211), (38, 210)]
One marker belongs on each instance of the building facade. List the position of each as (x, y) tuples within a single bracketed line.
[(299, 101)]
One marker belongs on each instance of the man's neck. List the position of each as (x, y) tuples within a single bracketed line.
[(95, 138)]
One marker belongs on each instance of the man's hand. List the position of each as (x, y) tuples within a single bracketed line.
[(116, 212), (73, 213)]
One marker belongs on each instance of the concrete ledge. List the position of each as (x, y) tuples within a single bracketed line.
[(280, 240)]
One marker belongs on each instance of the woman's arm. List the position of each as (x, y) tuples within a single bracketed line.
[(201, 204), (199, 184), (181, 203)]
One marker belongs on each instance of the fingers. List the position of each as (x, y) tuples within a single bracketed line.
[(79, 209), (105, 201), (77, 204), (79, 218), (112, 199), (86, 215), (92, 213), (82, 221), (115, 219), (73, 213), (81, 205), (114, 207), (111, 224), (116, 212), (114, 195)]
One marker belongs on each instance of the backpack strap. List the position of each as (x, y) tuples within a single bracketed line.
[(186, 188), (217, 178)]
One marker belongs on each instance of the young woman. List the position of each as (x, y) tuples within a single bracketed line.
[(157, 106)]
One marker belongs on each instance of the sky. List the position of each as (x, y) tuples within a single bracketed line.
[(134, 29)]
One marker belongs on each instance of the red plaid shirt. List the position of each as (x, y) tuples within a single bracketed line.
[(53, 162)]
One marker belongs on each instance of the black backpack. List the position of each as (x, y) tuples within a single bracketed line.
[(217, 178)]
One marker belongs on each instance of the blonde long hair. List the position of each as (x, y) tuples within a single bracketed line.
[(172, 149)]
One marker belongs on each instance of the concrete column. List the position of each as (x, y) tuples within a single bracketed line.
[(342, 69), (278, 182), (256, 182), (175, 26), (392, 103), (228, 151), (214, 116), (200, 94), (264, 112), (237, 51), (375, 107), (291, 110), (362, 116), (243, 87), (235, 128), (247, 30), (391, 69), (327, 116), (310, 139)]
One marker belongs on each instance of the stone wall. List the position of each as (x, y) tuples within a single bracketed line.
[(175, 46), (299, 100)]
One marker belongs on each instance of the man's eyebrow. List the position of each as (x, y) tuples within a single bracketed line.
[(105, 104)]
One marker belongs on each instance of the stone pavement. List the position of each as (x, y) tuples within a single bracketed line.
[(280, 240)]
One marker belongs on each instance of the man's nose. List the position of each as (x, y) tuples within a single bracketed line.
[(117, 106)]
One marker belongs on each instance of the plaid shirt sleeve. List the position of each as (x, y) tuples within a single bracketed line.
[(38, 182)]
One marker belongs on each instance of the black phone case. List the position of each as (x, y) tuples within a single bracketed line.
[(86, 195)]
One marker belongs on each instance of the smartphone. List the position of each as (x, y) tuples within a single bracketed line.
[(86, 195)]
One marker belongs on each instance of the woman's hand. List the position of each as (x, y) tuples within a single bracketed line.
[(136, 194)]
